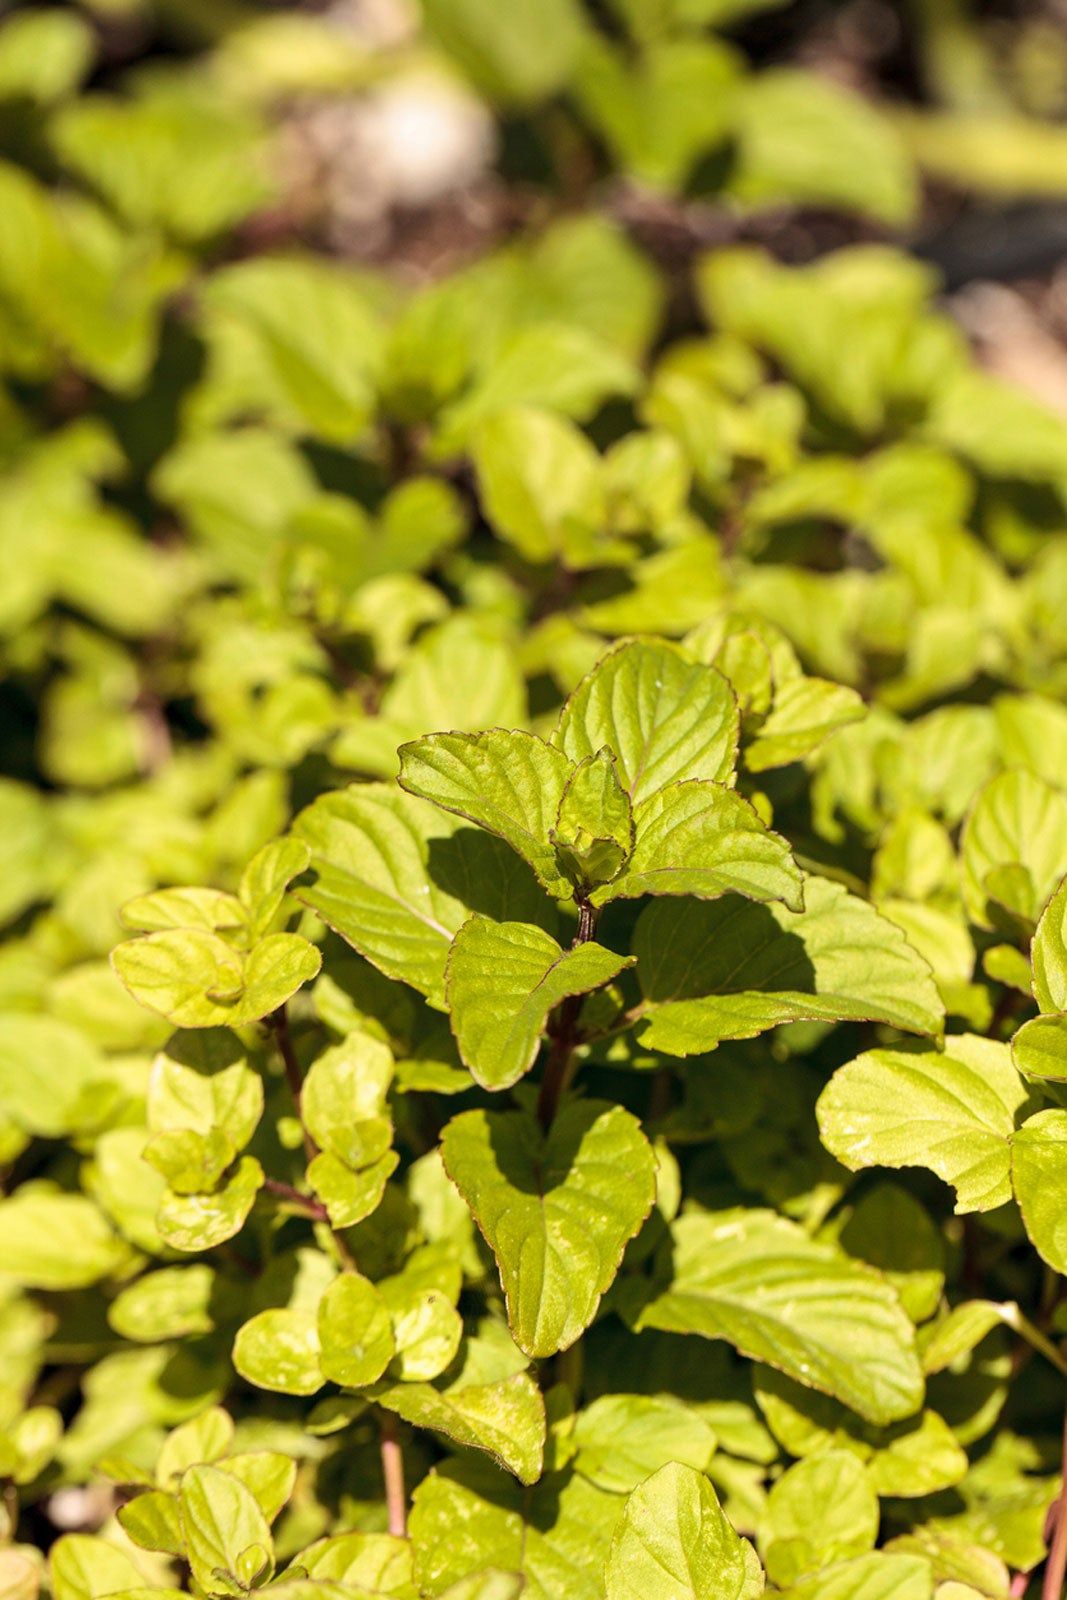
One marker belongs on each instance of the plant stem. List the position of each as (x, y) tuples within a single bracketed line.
[(569, 1366), (1034, 1337), (393, 1473), (560, 1064), (293, 1197), (563, 1032), (1052, 1587), (279, 1021)]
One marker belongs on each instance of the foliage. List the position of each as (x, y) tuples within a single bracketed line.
[(534, 991)]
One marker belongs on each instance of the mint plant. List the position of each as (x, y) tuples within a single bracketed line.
[(533, 816)]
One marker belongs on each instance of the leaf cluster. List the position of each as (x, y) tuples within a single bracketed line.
[(533, 1001)]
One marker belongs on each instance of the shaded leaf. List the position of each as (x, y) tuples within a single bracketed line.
[(673, 1540), (954, 1113), (508, 782), (391, 871), (757, 1281), (556, 1210), (837, 960), (1039, 1178), (503, 980)]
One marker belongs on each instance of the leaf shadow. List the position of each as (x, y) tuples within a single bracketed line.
[(526, 1160), (540, 1504), (726, 946), (484, 873)]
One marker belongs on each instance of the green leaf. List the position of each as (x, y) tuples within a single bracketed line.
[(1038, 1169), (660, 116), (376, 1561), (427, 1329), (85, 1568), (539, 481), (190, 1162), (997, 425), (663, 716), (461, 675), (520, 59), (168, 1304), (489, 1584), (184, 159), (1039, 1049), (310, 341), (201, 1221), (960, 1331), (49, 1074), (821, 1511), (208, 1437), (184, 908), (43, 55), (812, 141), (467, 1516), (806, 712), (908, 1459), (508, 782), (1011, 851), (342, 1100), (269, 1474), (31, 1443), (202, 1083), (872, 297), (701, 839), (554, 366), (954, 1113), (202, 1110), (391, 873), (673, 1541), (594, 832), (61, 264), (196, 980), (1048, 954), (266, 878), (891, 1230), (222, 1523), (152, 1521), (838, 960), (878, 1576), (350, 1196), (121, 1181), (355, 1331), (279, 1350), (621, 1439), (56, 1241), (502, 982), (237, 491), (758, 1282), (557, 1210), (506, 1419)]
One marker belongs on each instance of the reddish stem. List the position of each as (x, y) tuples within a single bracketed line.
[(279, 1021), (393, 1473), (563, 1032), (1052, 1587), (285, 1191)]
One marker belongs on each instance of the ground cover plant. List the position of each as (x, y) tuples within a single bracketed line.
[(533, 836)]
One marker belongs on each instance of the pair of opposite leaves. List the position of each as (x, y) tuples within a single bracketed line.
[(630, 797)]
